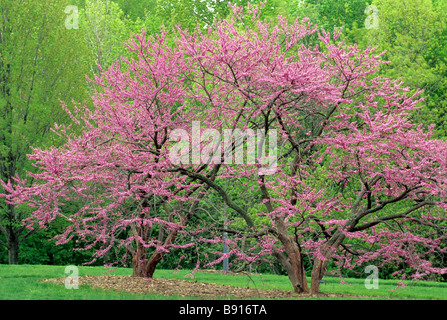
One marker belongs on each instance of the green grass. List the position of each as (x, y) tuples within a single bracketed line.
[(22, 283)]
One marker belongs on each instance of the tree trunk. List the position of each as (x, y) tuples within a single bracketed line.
[(13, 248), (294, 267), (296, 271), (139, 256), (292, 272), (153, 262), (146, 268), (139, 261), (158, 255), (320, 265)]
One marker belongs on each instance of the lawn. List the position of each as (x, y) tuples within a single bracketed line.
[(22, 282)]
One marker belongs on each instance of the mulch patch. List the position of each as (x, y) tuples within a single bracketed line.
[(184, 288)]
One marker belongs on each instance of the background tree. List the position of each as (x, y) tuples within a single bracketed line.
[(328, 14), (413, 34), (41, 63), (105, 32)]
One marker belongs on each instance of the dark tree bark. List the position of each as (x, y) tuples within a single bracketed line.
[(294, 266), (13, 248)]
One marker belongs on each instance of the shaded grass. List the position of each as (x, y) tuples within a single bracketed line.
[(21, 282)]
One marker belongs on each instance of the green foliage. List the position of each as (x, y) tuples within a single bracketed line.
[(136, 9), (103, 23), (42, 63), (413, 34), (329, 14)]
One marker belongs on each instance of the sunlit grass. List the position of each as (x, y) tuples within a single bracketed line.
[(22, 282)]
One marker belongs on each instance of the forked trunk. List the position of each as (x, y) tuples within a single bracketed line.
[(320, 265), (294, 265), (295, 272), (297, 268), (146, 268)]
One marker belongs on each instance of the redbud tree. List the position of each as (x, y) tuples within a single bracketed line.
[(354, 181)]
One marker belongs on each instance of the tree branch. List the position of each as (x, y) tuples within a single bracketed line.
[(390, 217)]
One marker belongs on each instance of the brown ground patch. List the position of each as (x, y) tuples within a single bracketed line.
[(183, 288)]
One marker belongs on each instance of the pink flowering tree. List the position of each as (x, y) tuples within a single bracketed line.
[(117, 166), (350, 178), (339, 120)]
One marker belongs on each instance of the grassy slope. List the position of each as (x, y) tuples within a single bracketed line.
[(21, 283)]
